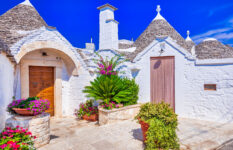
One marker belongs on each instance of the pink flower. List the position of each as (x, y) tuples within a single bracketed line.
[(101, 66), (3, 146), (102, 72)]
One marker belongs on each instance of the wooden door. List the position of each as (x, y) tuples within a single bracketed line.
[(41, 84), (162, 71)]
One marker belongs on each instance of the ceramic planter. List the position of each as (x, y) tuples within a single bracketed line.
[(23, 111), (93, 117), (144, 127)]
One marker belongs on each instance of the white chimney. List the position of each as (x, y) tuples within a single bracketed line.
[(108, 34)]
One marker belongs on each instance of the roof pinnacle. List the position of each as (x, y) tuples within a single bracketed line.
[(188, 37), (158, 8), (158, 17), (27, 2)]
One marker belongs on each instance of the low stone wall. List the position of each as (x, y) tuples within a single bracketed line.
[(38, 125), (116, 115)]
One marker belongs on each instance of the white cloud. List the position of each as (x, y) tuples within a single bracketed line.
[(208, 34), (224, 36)]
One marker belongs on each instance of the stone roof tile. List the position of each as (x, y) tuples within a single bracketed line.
[(159, 28), (213, 49), (20, 18)]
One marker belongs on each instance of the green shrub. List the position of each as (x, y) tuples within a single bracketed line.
[(133, 88), (113, 88), (162, 126)]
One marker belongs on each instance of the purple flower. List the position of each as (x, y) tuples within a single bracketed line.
[(102, 72)]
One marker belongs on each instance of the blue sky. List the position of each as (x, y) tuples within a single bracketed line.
[(78, 20)]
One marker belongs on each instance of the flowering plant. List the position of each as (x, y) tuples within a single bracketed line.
[(111, 105), (86, 109), (16, 139), (33, 104), (38, 106), (108, 67)]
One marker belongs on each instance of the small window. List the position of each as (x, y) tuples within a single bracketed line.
[(210, 87)]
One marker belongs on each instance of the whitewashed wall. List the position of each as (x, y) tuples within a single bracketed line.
[(6, 87), (191, 100), (108, 29), (77, 84)]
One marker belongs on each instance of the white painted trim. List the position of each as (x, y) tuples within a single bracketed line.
[(61, 43), (170, 42), (187, 55), (148, 48), (214, 61)]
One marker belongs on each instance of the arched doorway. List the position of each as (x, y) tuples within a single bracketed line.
[(42, 71)]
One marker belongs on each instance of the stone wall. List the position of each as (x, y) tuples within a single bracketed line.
[(6, 86), (117, 115), (38, 125)]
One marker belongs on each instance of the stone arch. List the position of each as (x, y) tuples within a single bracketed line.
[(25, 49)]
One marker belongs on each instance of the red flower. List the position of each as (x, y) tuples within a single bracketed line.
[(28, 133), (10, 142), (16, 146)]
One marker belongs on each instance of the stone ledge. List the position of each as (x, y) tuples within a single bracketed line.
[(120, 109), (117, 115)]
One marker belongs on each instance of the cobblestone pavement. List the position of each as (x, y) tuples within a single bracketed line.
[(70, 134)]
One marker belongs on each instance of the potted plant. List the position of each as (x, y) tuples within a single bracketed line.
[(158, 124), (87, 111), (28, 107), (16, 139)]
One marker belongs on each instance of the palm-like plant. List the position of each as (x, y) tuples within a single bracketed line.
[(113, 88)]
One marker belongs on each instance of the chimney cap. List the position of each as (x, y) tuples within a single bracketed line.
[(107, 5)]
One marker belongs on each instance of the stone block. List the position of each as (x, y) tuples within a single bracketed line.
[(38, 125), (117, 115)]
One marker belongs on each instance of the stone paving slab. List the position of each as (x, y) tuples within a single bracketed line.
[(70, 134)]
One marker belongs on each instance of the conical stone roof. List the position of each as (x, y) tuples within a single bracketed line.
[(159, 28), (213, 49), (23, 18)]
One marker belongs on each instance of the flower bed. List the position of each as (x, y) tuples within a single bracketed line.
[(118, 114), (28, 107), (38, 126), (16, 139)]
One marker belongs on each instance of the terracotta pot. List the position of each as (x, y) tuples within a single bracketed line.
[(23, 111), (93, 117), (144, 127)]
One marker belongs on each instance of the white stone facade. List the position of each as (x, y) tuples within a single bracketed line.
[(191, 100), (72, 73), (75, 70)]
